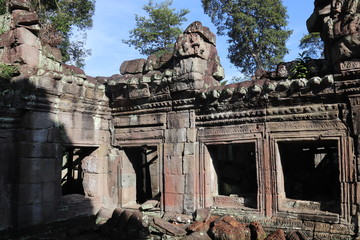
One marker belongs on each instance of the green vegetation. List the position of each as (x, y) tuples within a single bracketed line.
[(7, 71), (256, 29), (157, 33), (300, 69), (59, 20), (2, 7), (312, 45)]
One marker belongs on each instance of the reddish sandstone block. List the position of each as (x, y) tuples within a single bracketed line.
[(228, 228), (7, 38), (277, 235), (24, 36), (257, 231), (28, 54), (173, 165), (132, 66), (199, 227), (23, 17), (189, 164), (175, 135), (20, 4), (177, 120), (174, 183), (173, 202)]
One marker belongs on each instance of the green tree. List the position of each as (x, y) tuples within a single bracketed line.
[(256, 29), (60, 19), (157, 33), (312, 45)]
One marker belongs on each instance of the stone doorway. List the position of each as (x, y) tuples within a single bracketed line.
[(145, 168)]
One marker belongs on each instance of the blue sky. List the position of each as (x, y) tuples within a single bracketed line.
[(114, 18)]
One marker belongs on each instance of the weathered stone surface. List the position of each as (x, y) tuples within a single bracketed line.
[(150, 204), (27, 54), (103, 215), (227, 228), (132, 66), (277, 235), (117, 213), (7, 38), (296, 235), (22, 17), (338, 24), (52, 53), (154, 62), (257, 231), (168, 228), (202, 214), (198, 236), (20, 4), (139, 91), (177, 218), (24, 36), (122, 220), (136, 227), (199, 227)]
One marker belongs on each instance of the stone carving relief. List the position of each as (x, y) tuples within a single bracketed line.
[(338, 22), (194, 64)]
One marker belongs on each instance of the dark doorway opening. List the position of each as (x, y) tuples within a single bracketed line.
[(72, 173), (145, 164), (311, 172), (235, 166)]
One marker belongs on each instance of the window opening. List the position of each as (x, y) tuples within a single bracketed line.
[(145, 164), (72, 172), (311, 172), (235, 167)]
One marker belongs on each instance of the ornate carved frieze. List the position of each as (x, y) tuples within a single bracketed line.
[(274, 114)]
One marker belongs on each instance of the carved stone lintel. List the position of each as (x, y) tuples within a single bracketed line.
[(349, 66), (142, 91)]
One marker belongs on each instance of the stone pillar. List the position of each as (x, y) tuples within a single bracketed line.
[(179, 162), (7, 169), (355, 120), (38, 169)]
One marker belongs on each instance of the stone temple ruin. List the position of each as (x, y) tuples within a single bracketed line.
[(279, 151)]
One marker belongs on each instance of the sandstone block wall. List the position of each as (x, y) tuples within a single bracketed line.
[(161, 130)]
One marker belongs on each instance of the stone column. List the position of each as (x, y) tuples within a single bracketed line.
[(355, 131), (179, 162), (38, 169)]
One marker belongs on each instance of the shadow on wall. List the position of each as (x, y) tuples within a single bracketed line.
[(35, 163)]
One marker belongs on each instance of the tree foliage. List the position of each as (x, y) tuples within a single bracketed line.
[(2, 7), (157, 33), (60, 19), (256, 29), (312, 45)]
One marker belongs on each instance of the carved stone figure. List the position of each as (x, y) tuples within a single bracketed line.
[(338, 22)]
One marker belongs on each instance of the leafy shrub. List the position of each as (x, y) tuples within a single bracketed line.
[(7, 71), (301, 69)]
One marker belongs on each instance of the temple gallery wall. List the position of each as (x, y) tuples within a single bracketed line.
[(280, 150)]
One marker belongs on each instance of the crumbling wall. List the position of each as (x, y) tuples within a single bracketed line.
[(46, 107), (192, 120), (171, 133)]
